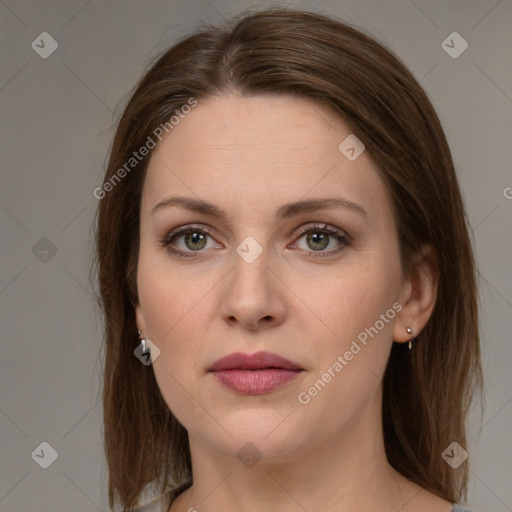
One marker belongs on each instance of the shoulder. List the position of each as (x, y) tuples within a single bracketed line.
[(163, 502), (460, 508)]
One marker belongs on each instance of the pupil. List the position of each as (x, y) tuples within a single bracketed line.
[(318, 241), (195, 239)]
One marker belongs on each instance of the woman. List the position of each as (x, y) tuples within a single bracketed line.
[(286, 278)]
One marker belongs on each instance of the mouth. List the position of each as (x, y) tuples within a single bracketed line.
[(255, 374), (256, 361)]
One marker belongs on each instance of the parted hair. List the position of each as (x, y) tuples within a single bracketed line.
[(427, 392)]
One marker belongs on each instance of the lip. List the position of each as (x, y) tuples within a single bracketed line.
[(255, 374), (256, 361)]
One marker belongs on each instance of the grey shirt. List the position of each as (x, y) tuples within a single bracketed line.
[(458, 508), (162, 504)]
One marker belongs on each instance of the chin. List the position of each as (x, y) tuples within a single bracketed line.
[(270, 435)]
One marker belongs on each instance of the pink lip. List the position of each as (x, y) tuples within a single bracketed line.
[(256, 361), (254, 374)]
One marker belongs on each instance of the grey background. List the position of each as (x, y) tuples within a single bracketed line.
[(56, 124)]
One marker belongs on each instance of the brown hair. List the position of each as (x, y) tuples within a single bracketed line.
[(426, 392)]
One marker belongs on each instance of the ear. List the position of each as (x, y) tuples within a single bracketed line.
[(419, 294)]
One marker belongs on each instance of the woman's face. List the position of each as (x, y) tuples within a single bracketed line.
[(288, 247)]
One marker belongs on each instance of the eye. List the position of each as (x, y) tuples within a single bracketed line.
[(318, 238), (318, 241), (188, 241)]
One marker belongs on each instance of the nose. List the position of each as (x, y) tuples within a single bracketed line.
[(253, 298)]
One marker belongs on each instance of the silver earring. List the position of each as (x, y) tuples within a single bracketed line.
[(409, 331), (143, 343)]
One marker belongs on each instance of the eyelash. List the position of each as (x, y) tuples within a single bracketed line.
[(342, 237)]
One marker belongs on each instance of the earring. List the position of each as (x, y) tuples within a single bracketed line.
[(409, 331), (143, 343)]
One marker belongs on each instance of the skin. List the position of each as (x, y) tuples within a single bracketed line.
[(250, 156)]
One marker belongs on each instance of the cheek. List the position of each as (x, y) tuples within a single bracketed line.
[(353, 297), (357, 317), (170, 328), (168, 311), (167, 296), (171, 303), (351, 359)]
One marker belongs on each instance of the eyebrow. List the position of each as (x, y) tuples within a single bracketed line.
[(285, 211)]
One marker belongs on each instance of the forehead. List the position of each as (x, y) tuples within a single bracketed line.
[(265, 149), (267, 125)]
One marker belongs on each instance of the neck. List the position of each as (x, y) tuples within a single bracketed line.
[(344, 471)]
